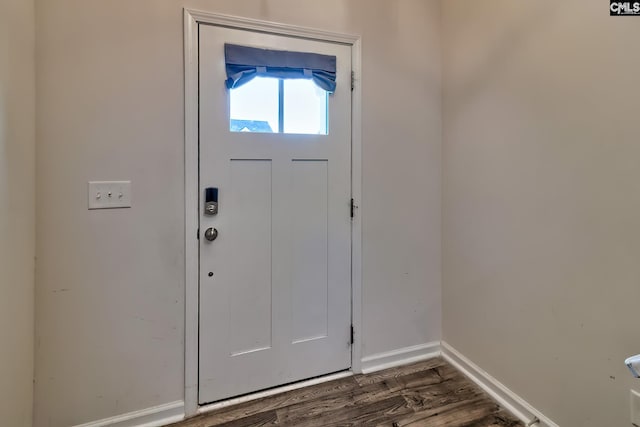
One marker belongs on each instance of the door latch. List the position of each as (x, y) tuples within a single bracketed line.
[(211, 234)]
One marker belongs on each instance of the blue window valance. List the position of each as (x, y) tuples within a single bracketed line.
[(244, 63)]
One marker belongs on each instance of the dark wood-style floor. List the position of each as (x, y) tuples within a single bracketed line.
[(430, 393)]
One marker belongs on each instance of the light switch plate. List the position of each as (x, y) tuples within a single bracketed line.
[(109, 194), (635, 408)]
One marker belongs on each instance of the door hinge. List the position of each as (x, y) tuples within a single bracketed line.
[(353, 208), (198, 234), (353, 80), (352, 334)]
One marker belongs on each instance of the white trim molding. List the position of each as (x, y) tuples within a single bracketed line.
[(175, 411), (513, 403), (249, 24), (356, 194), (192, 19), (191, 219), (151, 417), (399, 357)]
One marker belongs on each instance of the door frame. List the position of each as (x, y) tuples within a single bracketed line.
[(192, 19)]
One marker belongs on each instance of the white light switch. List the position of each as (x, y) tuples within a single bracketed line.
[(109, 194)]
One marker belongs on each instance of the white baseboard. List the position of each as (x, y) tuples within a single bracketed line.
[(174, 411), (399, 357), (498, 391), (151, 417)]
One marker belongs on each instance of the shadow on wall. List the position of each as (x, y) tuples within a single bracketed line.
[(535, 20)]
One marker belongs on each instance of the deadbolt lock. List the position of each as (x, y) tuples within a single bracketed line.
[(211, 208), (211, 201)]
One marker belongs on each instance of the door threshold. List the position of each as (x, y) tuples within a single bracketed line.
[(209, 407)]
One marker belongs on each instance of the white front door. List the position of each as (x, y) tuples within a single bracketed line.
[(275, 285)]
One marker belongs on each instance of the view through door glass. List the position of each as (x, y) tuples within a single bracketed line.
[(271, 105)]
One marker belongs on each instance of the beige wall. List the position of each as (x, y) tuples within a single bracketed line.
[(17, 205), (542, 200), (110, 297)]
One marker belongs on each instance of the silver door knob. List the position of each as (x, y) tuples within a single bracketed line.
[(211, 234)]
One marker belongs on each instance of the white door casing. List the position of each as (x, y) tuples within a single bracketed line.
[(192, 21), (275, 286)]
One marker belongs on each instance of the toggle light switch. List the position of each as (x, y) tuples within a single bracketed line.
[(109, 194)]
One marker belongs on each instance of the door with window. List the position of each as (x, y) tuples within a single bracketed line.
[(275, 251)]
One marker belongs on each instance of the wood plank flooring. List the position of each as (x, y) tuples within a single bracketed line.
[(430, 393)]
